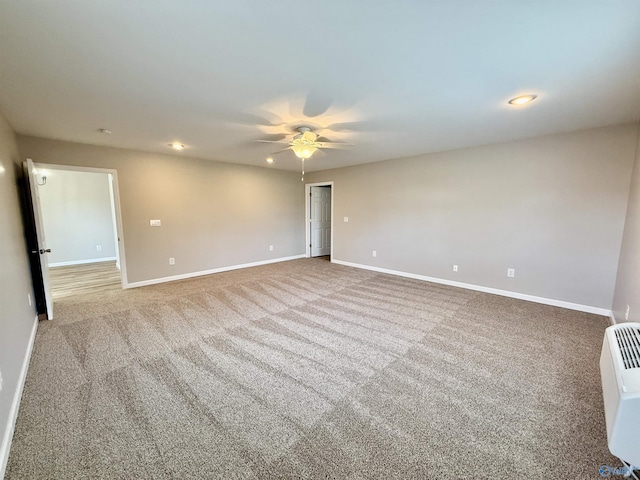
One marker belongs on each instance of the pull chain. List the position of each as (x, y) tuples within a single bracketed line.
[(302, 179)]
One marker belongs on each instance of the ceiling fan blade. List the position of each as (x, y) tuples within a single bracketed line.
[(273, 141), (336, 146), (281, 151)]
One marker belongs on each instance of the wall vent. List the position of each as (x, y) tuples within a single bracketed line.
[(620, 374), (629, 344)]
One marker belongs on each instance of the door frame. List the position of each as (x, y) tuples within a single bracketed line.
[(116, 205), (307, 216)]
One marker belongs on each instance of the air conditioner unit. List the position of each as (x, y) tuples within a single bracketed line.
[(620, 373)]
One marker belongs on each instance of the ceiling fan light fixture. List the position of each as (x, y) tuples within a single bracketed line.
[(523, 99), (304, 145), (176, 146), (303, 150)]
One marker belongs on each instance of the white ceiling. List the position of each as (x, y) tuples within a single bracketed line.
[(395, 78)]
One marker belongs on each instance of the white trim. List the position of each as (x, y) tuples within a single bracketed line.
[(5, 446), (114, 220), (469, 286), (307, 215), (74, 168), (122, 264), (612, 318), (82, 262), (154, 281)]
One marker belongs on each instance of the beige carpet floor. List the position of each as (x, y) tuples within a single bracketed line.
[(307, 369)]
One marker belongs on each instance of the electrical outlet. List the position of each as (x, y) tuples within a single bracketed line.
[(511, 272), (271, 248), (172, 261), (98, 247), (626, 313), (374, 253), (346, 219), (155, 223), (455, 268)]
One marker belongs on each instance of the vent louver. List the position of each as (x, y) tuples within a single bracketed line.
[(629, 344)]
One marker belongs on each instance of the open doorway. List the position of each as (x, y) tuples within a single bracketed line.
[(319, 208), (80, 215)]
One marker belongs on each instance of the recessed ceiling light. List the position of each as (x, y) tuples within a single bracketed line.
[(105, 131), (522, 99), (269, 160), (176, 146)]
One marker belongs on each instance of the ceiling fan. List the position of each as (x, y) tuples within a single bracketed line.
[(306, 142)]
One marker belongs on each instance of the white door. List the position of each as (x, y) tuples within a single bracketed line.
[(320, 221), (42, 241)]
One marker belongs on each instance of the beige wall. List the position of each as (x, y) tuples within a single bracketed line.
[(213, 214), (551, 207), (17, 317), (628, 282)]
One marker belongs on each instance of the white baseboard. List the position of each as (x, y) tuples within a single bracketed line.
[(469, 286), (82, 262), (154, 281), (5, 446)]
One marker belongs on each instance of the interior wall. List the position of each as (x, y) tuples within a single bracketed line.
[(553, 208), (213, 214), (627, 290), (76, 212), (17, 317)]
